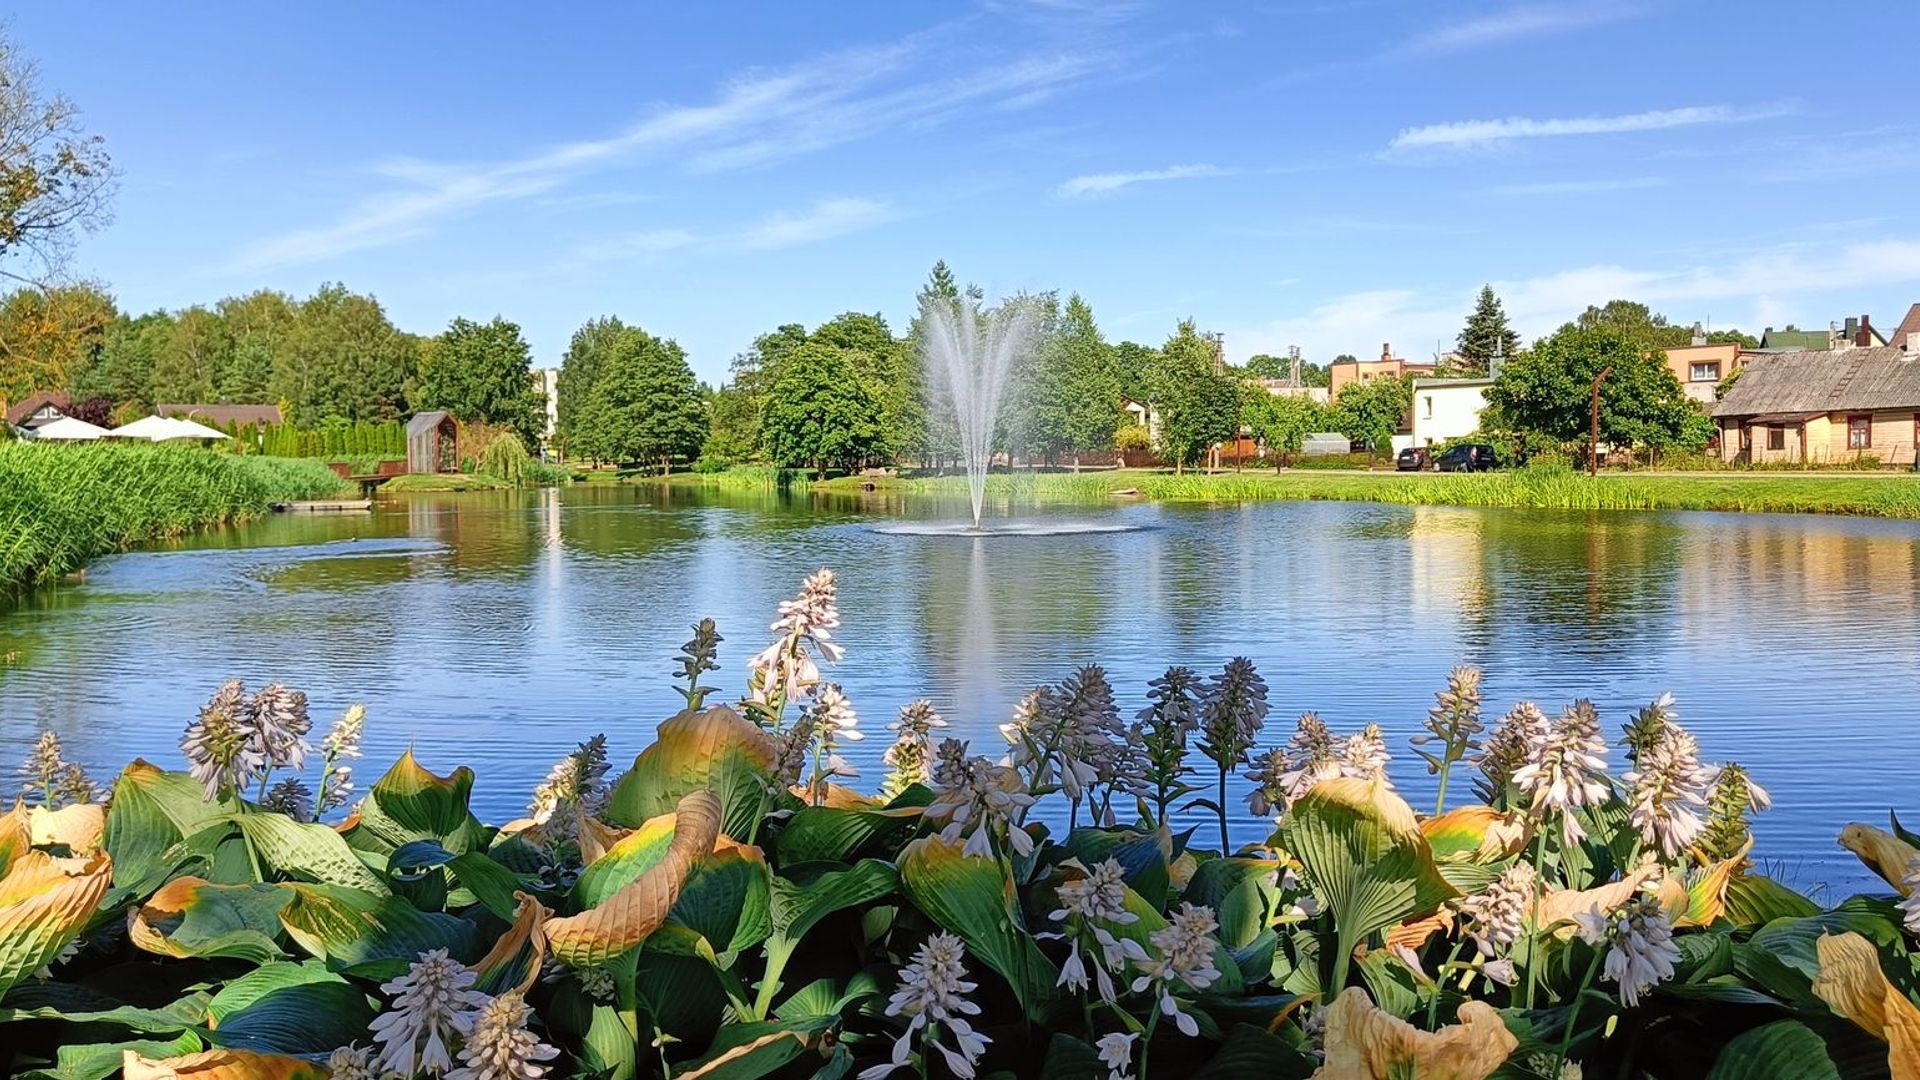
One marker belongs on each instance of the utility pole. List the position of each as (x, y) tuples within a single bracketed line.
[(1593, 439)]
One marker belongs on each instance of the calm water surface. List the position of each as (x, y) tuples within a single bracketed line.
[(498, 630)]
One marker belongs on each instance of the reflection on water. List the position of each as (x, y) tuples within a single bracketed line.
[(497, 629)]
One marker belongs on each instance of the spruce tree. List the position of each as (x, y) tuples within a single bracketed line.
[(1485, 336)]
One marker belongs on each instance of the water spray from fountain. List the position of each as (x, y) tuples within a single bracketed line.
[(970, 355)]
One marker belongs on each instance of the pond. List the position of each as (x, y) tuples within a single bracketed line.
[(498, 629)]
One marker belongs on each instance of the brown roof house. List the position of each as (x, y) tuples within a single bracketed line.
[(1342, 372), (1831, 405), (221, 416), (39, 407)]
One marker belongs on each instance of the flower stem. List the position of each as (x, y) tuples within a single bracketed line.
[(1440, 983), (1146, 1040), (1533, 920), (1446, 771), (1222, 807), (1573, 1012)]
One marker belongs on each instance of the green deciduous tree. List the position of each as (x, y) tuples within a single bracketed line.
[(1197, 405), (818, 411), (1485, 336), (1544, 395), (123, 371), (195, 350), (1283, 422), (580, 369), (344, 359), (645, 404), (1371, 410), (482, 371), (55, 179), (260, 326), (49, 336)]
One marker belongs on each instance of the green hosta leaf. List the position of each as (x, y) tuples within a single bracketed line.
[(97, 1061), (1241, 893), (189, 917), (612, 1042), (752, 1051), (289, 1009), (373, 935), (1143, 856), (492, 884), (715, 749), (1361, 851), (152, 812), (1069, 1058), (797, 907), (76, 1005), (833, 834), (1252, 1053), (1753, 899), (727, 899), (677, 985), (973, 897), (1781, 1049), (410, 803), (307, 852)]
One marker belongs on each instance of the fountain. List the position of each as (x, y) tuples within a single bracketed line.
[(969, 354)]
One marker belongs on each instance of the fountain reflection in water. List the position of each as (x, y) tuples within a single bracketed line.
[(970, 355)]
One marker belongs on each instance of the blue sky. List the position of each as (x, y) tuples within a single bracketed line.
[(1329, 173)]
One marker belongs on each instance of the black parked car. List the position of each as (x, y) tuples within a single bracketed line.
[(1466, 457), (1413, 459)]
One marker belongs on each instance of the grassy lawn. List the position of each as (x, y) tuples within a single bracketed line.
[(1881, 494)]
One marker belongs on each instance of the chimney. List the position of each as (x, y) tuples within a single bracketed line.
[(1864, 337), (1833, 337), (1386, 350), (1699, 335)]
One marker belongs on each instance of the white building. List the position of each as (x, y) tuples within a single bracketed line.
[(547, 381), (1447, 409)]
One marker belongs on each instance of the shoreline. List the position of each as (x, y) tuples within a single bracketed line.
[(1893, 495)]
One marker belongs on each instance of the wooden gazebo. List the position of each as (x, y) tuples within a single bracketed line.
[(432, 443)]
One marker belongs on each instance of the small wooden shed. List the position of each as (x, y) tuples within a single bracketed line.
[(432, 443)]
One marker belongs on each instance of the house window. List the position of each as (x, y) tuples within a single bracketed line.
[(1429, 406), (1859, 432), (1709, 372), (1776, 437)]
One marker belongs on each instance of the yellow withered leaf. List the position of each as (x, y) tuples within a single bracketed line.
[(16, 836), (1884, 853), (1476, 833), (527, 935), (1707, 894), (1365, 1043), (44, 903), (596, 836), (220, 1065), (1561, 905), (79, 827), (1851, 983), (629, 916)]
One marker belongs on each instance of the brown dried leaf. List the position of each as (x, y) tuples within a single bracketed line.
[(596, 837), (527, 932), (629, 916), (220, 1065), (1365, 1043), (1884, 853), (79, 827), (44, 903)]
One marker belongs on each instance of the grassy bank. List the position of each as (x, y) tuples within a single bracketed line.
[(444, 482), (63, 505), (739, 478), (1891, 495)]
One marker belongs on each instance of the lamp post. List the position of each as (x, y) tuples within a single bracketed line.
[(1593, 437)]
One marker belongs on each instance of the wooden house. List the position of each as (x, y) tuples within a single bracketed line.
[(433, 440), (1826, 406)]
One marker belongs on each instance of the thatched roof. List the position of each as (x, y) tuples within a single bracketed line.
[(1842, 380)]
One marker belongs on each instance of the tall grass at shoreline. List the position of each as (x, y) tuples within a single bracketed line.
[(63, 505), (1884, 495)]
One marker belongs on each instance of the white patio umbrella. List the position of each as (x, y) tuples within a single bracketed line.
[(191, 429), (68, 429), (150, 428)]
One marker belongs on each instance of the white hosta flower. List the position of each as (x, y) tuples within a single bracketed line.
[(433, 1004), (290, 797), (1543, 1065), (1910, 906), (1364, 755), (977, 800), (1506, 750), (1116, 1053), (1639, 942), (1566, 768), (1100, 894), (1501, 971), (1312, 756), (579, 779), (500, 1047), (1669, 791), (786, 669), (1496, 917), (219, 745), (280, 726), (1232, 712), (910, 759), (352, 1063), (1046, 744), (933, 990), (1182, 956), (1086, 902)]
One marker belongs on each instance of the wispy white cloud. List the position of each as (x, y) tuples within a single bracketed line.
[(1465, 134), (1777, 284), (755, 119), (825, 220), (1580, 187), (1516, 23), (1106, 183)]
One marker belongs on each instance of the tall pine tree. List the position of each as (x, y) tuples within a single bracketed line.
[(1485, 336)]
